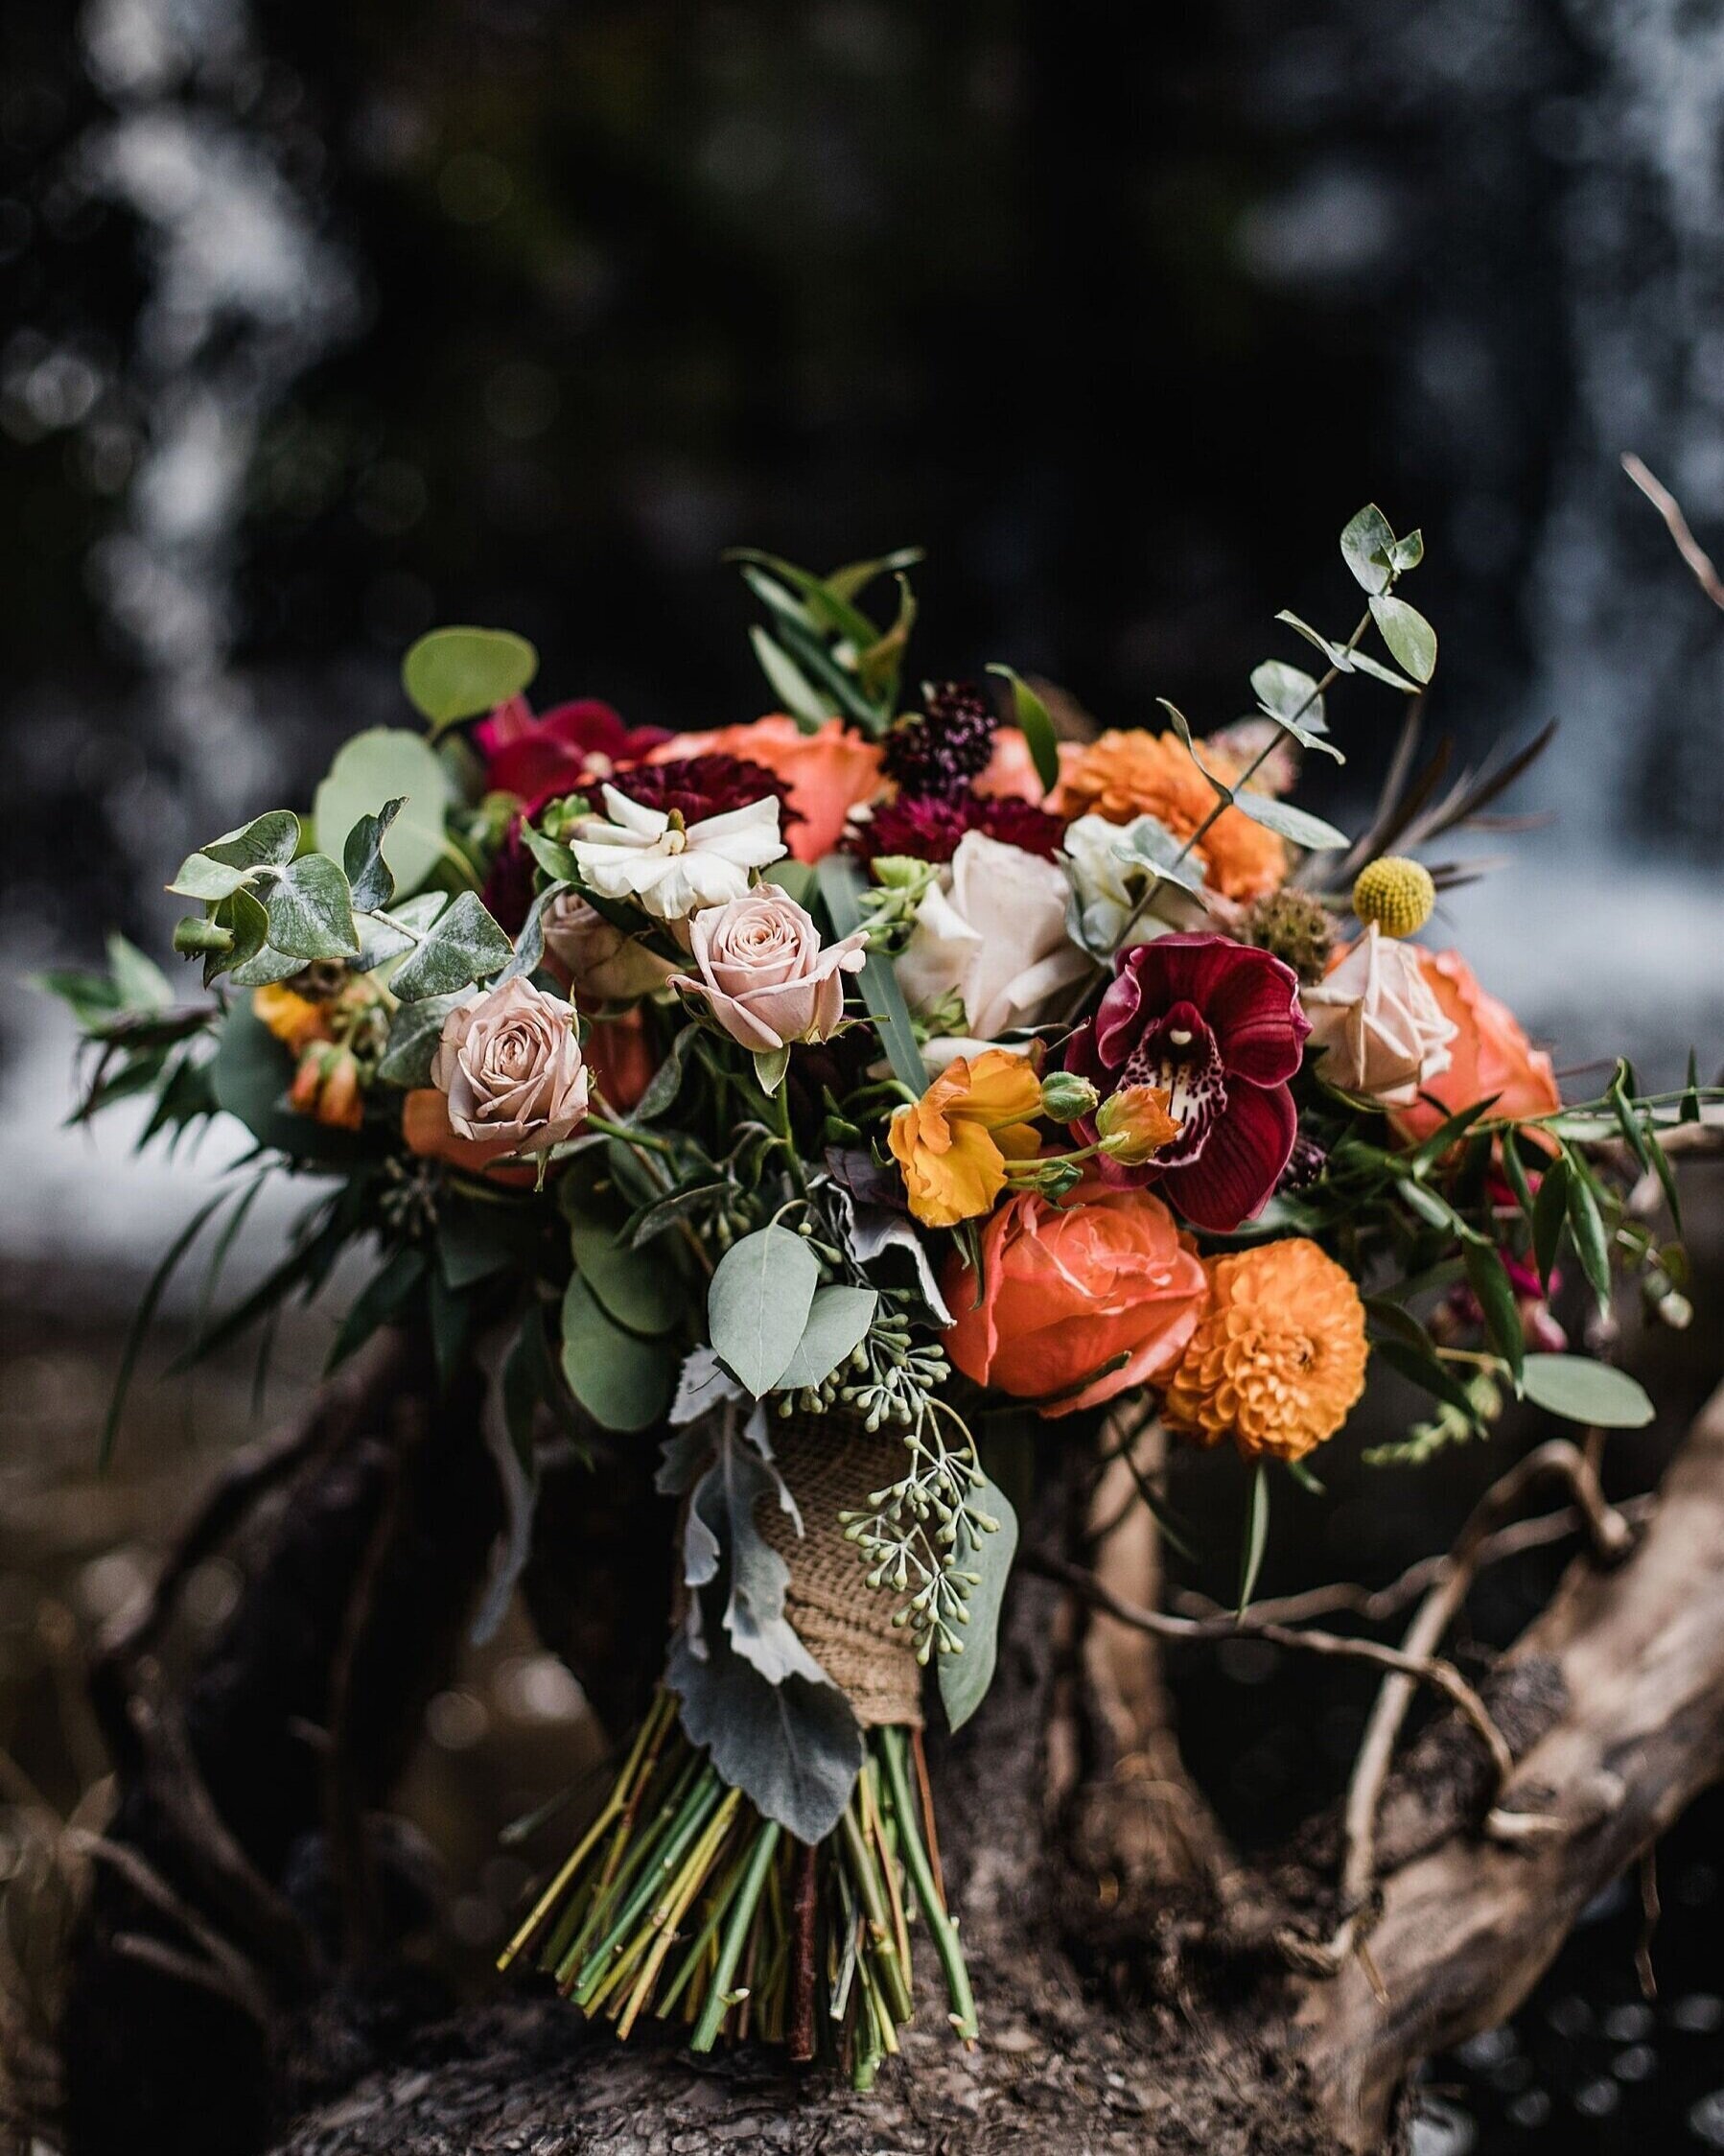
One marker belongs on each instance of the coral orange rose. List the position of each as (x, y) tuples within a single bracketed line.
[(1490, 1054), (1068, 1291), (427, 1131), (830, 772)]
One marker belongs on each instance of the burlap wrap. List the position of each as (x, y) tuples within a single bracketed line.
[(831, 1465)]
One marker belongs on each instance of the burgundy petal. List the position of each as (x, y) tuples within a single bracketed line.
[(1118, 1016), (1257, 1019), (1231, 1178)]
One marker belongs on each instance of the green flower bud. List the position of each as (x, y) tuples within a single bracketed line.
[(194, 934), (1068, 1098)]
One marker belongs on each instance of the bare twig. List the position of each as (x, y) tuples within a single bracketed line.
[(1698, 560)]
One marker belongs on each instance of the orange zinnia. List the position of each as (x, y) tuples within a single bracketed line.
[(1277, 1359), (953, 1145), (1136, 773)]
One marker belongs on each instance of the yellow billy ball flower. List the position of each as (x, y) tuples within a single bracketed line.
[(1395, 893)]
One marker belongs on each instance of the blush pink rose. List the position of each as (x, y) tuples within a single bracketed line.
[(764, 973), (1490, 1056), (1382, 1031), (509, 1064)]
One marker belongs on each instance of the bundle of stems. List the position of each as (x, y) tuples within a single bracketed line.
[(680, 1900)]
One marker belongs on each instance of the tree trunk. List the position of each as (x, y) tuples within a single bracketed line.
[(1619, 1723)]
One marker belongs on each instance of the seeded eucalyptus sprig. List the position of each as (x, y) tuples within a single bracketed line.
[(921, 1534)]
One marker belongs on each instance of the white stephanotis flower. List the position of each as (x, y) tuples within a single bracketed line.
[(670, 869)]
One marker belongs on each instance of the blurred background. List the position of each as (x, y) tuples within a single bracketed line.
[(319, 325)]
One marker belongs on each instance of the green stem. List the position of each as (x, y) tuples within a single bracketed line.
[(922, 1877), (692, 1815), (895, 1980), (718, 1998)]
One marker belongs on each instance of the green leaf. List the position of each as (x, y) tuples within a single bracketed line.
[(856, 577), (384, 937), (1367, 547), (310, 910), (822, 596), (1489, 1280), (769, 1067), (838, 1322), (840, 880), (211, 880), (457, 674), (636, 1288), (382, 1299), (757, 1305), (267, 841), (1036, 723), (387, 763), (789, 684), (139, 1329), (1408, 552), (666, 1082), (622, 1381), (363, 862), (1586, 1223), (249, 1075), (139, 982), (1289, 695), (1256, 1538), (1433, 1377), (1549, 1211), (1583, 1391), (478, 1239), (463, 946), (792, 876), (1408, 636), (414, 1037), (964, 1678), (1298, 824), (1689, 1111)]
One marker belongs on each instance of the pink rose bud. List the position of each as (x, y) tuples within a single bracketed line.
[(1382, 1031), (765, 976), (509, 1062)]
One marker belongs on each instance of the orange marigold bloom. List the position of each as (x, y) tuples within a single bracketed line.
[(1277, 1359), (1136, 773), (953, 1145)]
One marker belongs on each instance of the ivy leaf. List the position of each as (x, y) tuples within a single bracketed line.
[(198, 876), (387, 936), (1298, 824), (964, 1678), (1408, 634), (253, 962), (456, 673), (838, 1322), (363, 860), (310, 910), (461, 946), (1583, 1391), (1037, 724), (1367, 547), (757, 1305)]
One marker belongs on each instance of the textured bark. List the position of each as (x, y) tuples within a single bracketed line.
[(1614, 1702)]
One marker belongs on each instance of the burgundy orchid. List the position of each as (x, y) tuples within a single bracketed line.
[(1216, 1025), (538, 755)]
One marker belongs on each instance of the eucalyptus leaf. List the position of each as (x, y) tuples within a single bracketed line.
[(1367, 547), (368, 874), (1410, 637), (838, 1322), (622, 1381), (637, 1287), (1298, 824), (310, 910), (757, 1305), (1583, 1391), (1289, 695), (456, 673), (463, 946), (387, 763), (414, 1037), (965, 1678)]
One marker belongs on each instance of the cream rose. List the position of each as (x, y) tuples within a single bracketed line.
[(996, 936), (602, 963), (1382, 1031), (509, 1062), (764, 973)]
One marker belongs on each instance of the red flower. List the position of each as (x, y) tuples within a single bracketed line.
[(928, 828), (536, 758), (1218, 1026), (699, 786)]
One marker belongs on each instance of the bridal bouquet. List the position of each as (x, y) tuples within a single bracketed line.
[(812, 1097)]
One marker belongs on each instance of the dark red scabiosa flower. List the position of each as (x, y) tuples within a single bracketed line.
[(698, 787), (538, 755), (934, 754), (1217, 1025), (929, 830)]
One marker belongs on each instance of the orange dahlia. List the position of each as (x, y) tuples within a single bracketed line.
[(1278, 1357), (1125, 774)]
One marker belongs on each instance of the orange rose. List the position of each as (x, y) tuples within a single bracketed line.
[(428, 1132), (1490, 1054), (828, 772), (1068, 1289)]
